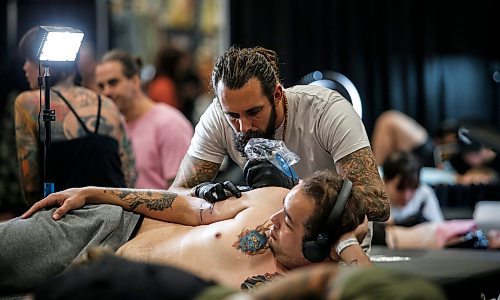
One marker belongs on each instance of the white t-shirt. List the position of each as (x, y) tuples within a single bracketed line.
[(432, 210), (322, 128)]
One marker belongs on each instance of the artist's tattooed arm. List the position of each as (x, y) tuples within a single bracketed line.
[(361, 168), (27, 147), (192, 172)]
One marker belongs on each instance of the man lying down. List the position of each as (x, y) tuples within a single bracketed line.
[(266, 232)]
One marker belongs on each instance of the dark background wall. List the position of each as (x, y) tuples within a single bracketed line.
[(433, 60), (29, 13)]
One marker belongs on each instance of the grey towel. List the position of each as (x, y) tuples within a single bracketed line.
[(35, 249)]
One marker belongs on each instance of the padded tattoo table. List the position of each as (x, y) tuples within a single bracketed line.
[(461, 273)]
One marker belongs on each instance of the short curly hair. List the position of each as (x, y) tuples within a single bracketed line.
[(323, 187)]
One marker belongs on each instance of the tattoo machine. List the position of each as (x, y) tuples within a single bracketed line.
[(275, 152)]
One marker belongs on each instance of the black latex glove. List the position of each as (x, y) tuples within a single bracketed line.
[(261, 173), (214, 192)]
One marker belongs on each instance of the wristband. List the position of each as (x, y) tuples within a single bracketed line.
[(344, 244)]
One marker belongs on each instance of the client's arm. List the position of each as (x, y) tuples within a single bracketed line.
[(348, 249), (157, 204)]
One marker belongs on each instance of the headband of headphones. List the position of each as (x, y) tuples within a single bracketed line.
[(316, 249), (340, 204)]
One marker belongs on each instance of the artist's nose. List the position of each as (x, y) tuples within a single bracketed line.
[(245, 124)]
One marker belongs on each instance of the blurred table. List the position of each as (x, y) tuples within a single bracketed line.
[(462, 274)]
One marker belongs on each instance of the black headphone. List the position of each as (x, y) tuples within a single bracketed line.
[(316, 249)]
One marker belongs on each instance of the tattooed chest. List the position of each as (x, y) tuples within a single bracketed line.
[(252, 241)]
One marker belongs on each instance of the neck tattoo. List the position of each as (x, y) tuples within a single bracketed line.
[(285, 112)]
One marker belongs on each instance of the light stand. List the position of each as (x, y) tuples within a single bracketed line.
[(48, 116), (56, 45)]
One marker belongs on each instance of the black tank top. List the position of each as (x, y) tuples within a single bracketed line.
[(92, 159)]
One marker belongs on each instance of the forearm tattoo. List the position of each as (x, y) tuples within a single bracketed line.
[(253, 241), (361, 168), (194, 171), (153, 201)]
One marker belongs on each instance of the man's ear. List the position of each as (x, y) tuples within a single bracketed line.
[(278, 93), (137, 81)]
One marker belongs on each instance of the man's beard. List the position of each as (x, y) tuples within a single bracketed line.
[(241, 139), (283, 258)]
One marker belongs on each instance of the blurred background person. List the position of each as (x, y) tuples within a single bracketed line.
[(160, 133), (89, 143), (175, 82), (162, 88), (446, 158), (411, 201), (474, 164), (395, 131), (86, 66), (463, 233), (11, 196)]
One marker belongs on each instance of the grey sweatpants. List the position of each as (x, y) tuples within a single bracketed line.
[(35, 249)]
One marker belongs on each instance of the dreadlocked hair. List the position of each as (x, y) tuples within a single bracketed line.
[(238, 65)]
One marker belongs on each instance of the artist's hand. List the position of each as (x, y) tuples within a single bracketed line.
[(67, 200), (262, 173), (214, 192)]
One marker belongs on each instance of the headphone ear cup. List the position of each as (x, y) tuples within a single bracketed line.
[(315, 250)]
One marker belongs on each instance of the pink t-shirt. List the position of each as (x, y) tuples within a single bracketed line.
[(160, 140)]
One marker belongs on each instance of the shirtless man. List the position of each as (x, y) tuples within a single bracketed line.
[(260, 233)]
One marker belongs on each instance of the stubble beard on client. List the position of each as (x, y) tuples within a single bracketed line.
[(287, 261), (240, 139)]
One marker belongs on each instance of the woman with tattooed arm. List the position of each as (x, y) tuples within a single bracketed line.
[(89, 144)]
